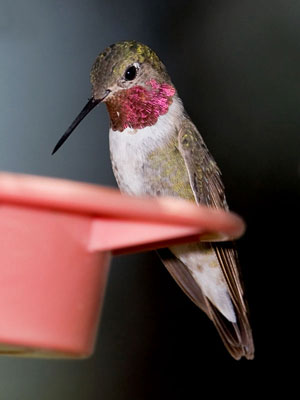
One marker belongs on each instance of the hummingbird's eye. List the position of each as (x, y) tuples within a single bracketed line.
[(130, 73)]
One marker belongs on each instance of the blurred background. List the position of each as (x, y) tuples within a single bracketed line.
[(236, 66)]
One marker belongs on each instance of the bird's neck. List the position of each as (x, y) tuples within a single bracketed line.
[(139, 106)]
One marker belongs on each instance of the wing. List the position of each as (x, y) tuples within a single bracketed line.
[(204, 174), (205, 180)]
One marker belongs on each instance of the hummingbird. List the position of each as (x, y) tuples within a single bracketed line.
[(156, 150)]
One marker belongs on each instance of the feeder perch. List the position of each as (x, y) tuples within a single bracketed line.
[(56, 241)]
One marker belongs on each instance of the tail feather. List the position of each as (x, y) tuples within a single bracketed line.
[(237, 337)]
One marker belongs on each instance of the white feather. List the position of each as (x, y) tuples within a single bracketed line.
[(203, 264)]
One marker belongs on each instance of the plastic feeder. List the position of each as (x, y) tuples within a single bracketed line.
[(56, 240)]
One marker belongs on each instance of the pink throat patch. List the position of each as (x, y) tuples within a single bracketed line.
[(138, 107)]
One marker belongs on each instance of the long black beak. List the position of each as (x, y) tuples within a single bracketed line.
[(91, 104)]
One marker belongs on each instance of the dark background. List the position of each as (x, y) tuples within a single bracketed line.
[(236, 66)]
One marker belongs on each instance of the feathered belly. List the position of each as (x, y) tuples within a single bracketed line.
[(149, 170)]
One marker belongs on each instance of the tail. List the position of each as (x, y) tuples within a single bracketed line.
[(236, 336)]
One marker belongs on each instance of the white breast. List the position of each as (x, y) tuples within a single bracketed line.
[(129, 149)]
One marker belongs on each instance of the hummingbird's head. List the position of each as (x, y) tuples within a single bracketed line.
[(124, 65), (130, 78)]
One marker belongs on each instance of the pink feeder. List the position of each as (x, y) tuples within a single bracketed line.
[(56, 240)]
